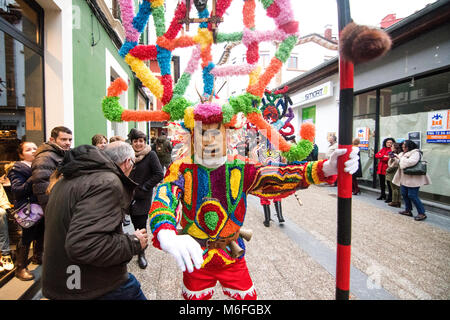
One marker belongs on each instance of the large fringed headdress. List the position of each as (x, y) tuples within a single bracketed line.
[(175, 106)]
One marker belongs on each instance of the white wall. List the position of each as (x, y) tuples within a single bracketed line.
[(327, 112), (58, 66)]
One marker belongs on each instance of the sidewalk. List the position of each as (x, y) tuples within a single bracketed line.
[(393, 256)]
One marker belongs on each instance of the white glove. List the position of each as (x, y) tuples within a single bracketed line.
[(351, 165), (183, 247)]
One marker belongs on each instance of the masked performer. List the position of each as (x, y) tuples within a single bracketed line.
[(213, 193)]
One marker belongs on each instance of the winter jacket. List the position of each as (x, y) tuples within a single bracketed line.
[(85, 250), (383, 156), (392, 168), (48, 156), (409, 159), (21, 184), (147, 173), (163, 149)]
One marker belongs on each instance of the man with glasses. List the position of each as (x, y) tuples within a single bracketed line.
[(86, 252)]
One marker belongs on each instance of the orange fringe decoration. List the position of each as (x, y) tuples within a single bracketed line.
[(145, 115), (249, 13), (258, 88), (117, 87), (308, 131), (206, 56), (272, 134)]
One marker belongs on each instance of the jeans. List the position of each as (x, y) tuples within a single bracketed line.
[(130, 290), (4, 235), (412, 195)]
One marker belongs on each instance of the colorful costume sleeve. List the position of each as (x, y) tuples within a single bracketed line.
[(163, 212), (280, 181)]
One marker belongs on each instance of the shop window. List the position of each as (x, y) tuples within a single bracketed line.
[(21, 97), (364, 115), (22, 16), (409, 105)]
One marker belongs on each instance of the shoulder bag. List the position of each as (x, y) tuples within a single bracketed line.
[(28, 214), (419, 169)]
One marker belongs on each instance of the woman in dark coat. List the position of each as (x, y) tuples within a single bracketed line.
[(383, 157), (21, 187), (147, 172)]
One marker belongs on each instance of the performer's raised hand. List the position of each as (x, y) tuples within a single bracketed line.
[(351, 165), (184, 248)]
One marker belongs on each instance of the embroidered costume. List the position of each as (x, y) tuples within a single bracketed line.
[(214, 205)]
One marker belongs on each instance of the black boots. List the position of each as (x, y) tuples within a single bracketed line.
[(142, 261), (278, 210), (22, 271), (266, 215), (38, 249), (266, 207)]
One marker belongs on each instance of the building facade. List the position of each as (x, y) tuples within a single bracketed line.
[(404, 95), (57, 59)]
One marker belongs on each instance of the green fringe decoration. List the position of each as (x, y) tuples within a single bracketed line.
[(182, 84), (244, 103), (299, 151), (112, 109), (230, 37), (285, 48), (266, 3), (176, 108), (158, 18), (227, 113)]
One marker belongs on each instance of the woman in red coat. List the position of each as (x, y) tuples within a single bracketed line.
[(383, 157)]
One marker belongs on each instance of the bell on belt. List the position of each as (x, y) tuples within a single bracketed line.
[(236, 250), (246, 234)]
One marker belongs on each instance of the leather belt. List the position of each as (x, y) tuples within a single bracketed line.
[(220, 243)]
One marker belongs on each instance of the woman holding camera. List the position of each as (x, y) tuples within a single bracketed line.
[(410, 184)]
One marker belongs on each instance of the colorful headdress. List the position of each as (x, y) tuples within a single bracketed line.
[(175, 106)]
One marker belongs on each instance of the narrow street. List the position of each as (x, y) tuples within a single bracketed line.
[(393, 256)]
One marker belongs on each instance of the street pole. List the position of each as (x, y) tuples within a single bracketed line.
[(344, 205)]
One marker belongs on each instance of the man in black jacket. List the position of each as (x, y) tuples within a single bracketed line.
[(48, 156), (86, 252)]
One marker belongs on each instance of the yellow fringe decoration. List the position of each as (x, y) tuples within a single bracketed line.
[(204, 37), (156, 3), (189, 121), (314, 173), (145, 75), (254, 75)]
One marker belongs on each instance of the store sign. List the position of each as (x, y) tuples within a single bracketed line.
[(438, 129), (363, 136), (323, 91)]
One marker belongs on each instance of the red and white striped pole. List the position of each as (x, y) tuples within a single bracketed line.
[(344, 214)]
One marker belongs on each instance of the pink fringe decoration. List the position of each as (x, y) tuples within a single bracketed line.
[(260, 36), (286, 14), (233, 70), (208, 113), (193, 62), (127, 13)]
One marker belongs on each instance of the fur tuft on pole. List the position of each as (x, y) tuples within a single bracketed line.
[(360, 44)]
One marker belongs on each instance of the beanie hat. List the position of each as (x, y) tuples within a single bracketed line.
[(136, 134)]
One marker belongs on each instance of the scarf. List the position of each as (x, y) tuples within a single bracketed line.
[(141, 154)]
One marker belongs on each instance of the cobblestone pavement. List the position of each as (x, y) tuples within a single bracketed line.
[(393, 256)]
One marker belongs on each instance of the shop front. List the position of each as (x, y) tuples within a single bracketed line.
[(318, 104), (21, 77), (406, 95)]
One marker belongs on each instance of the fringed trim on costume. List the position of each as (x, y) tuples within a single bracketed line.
[(205, 294), (249, 294)]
